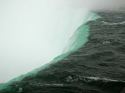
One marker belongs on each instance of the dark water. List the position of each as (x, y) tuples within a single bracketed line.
[(97, 67)]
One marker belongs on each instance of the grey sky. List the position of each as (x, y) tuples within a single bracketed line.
[(99, 4)]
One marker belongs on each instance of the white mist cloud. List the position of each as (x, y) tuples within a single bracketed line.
[(32, 32)]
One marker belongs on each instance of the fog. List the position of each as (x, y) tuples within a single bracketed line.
[(96, 5), (33, 32)]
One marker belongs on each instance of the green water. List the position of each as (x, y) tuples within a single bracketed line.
[(78, 39)]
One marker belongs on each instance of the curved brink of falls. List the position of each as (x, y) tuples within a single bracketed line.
[(78, 39)]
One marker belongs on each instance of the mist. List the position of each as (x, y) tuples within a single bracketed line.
[(100, 5), (33, 32)]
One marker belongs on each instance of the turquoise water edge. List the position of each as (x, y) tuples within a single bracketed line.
[(79, 38)]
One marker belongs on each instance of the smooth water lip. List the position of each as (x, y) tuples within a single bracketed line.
[(79, 38)]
